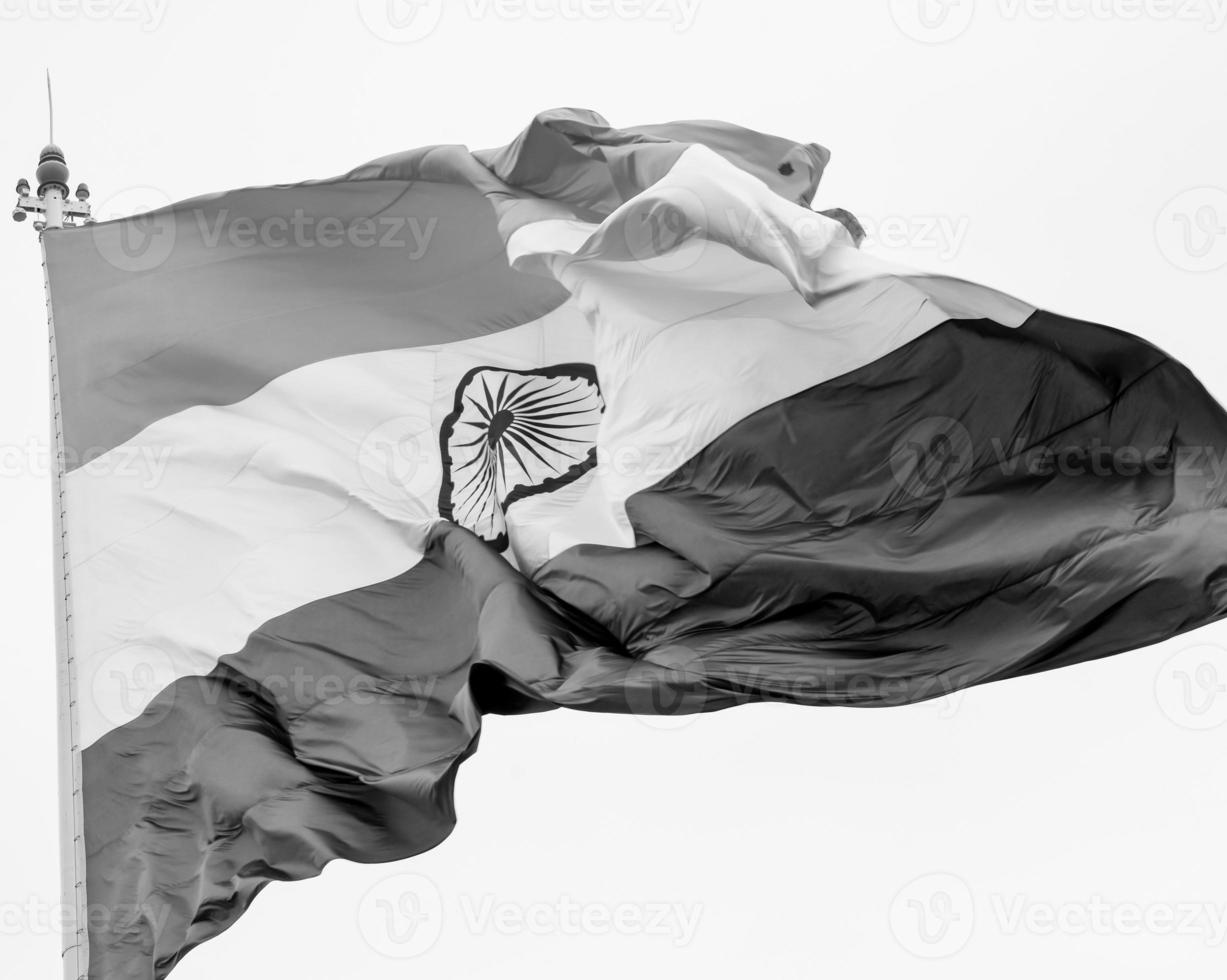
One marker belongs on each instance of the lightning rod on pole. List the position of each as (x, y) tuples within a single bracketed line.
[(51, 200)]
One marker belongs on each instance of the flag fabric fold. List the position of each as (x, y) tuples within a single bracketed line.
[(607, 419)]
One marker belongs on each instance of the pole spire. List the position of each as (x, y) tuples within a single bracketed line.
[(52, 200)]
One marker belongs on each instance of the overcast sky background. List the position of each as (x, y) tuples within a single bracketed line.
[(1071, 152)]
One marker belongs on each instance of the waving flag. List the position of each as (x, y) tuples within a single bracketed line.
[(604, 419)]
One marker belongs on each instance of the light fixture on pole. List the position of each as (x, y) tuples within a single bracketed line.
[(52, 200)]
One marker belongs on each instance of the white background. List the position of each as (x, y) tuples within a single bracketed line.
[(1065, 825)]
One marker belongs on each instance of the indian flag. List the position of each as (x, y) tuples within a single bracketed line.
[(608, 419)]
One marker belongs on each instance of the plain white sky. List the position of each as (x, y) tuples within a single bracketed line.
[(1070, 151)]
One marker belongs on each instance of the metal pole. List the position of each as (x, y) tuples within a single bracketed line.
[(72, 834), (53, 207), (58, 211)]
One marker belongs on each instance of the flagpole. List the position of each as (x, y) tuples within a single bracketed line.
[(52, 202)]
